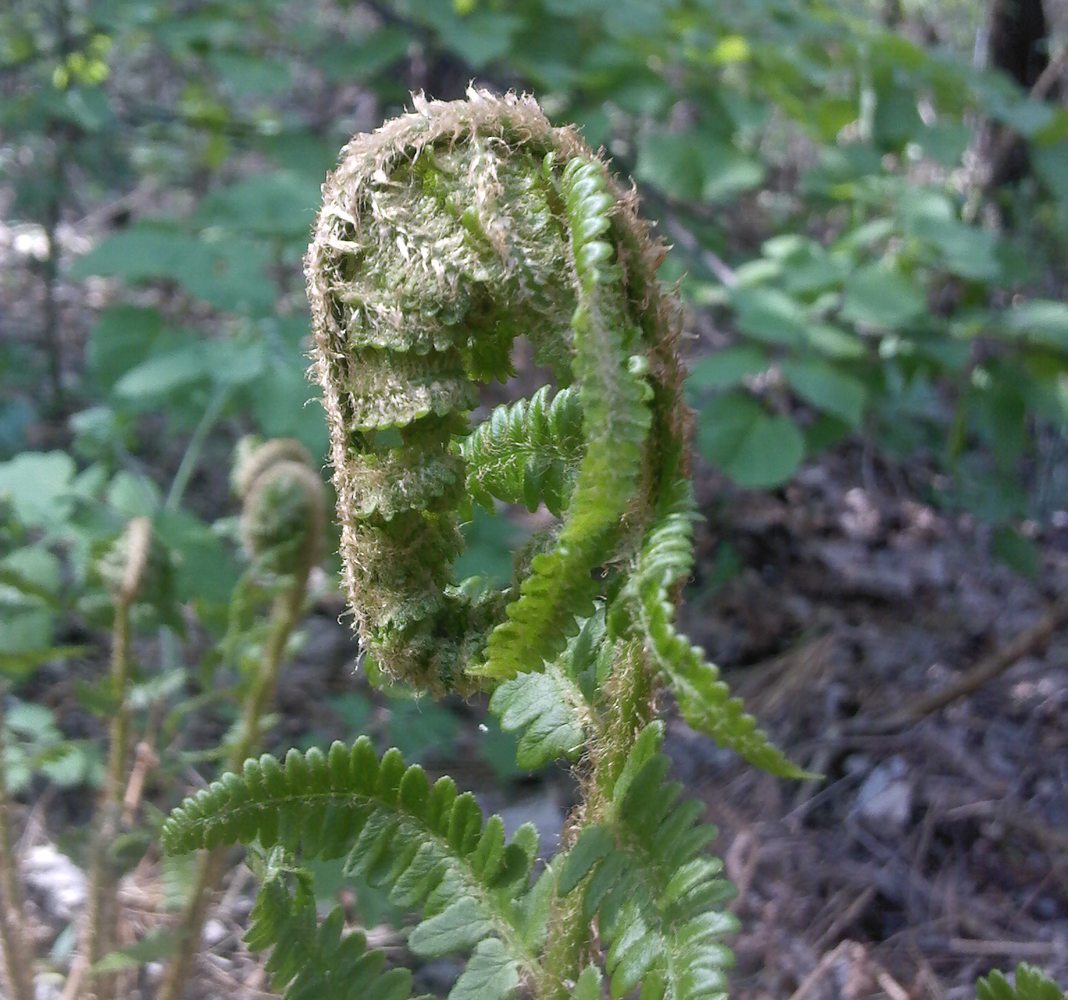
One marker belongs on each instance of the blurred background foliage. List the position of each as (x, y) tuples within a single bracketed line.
[(869, 224)]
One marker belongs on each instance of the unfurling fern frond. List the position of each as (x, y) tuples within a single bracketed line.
[(313, 962), (443, 236), (427, 846), (657, 898), (1031, 984), (283, 505)]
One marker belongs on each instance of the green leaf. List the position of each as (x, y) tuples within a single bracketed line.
[(770, 315), (595, 843), (249, 75), (312, 962), (1016, 551), (152, 947), (227, 272), (458, 928), (962, 249), (1043, 321), (833, 341), (280, 204), (122, 337), (146, 382), (828, 389), (549, 709), (39, 486), (754, 448), (426, 845), (1031, 984), (491, 974), (665, 559), (657, 898), (727, 368), (346, 61), (527, 452), (588, 986), (34, 572), (883, 297), (477, 38), (695, 166)]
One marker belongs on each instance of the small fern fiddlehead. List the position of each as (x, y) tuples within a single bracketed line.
[(282, 506)]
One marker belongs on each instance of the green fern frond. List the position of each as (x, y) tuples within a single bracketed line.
[(1031, 984), (616, 415), (550, 709), (313, 962), (527, 452), (427, 846), (704, 699), (656, 897)]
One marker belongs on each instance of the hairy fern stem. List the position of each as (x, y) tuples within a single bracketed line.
[(102, 908)]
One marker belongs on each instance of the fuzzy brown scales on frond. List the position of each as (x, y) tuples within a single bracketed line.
[(444, 236)]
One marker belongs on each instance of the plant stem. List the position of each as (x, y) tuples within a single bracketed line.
[(629, 700), (102, 909), (17, 971), (195, 446), (212, 864)]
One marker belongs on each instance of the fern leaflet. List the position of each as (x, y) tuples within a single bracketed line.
[(704, 699), (310, 962), (551, 709), (527, 452), (1031, 984), (656, 897), (616, 418), (426, 845)]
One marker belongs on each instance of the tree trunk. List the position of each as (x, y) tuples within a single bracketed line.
[(1018, 46)]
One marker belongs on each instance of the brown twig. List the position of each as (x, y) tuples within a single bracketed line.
[(986, 670), (991, 666), (1020, 949), (810, 981)]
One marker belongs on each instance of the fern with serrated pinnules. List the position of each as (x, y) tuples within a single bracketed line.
[(443, 237), (313, 962), (655, 895), (1031, 984), (426, 845), (527, 452)]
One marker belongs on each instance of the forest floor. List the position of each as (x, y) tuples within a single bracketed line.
[(934, 848)]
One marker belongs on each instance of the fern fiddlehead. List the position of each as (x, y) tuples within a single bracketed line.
[(443, 237)]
